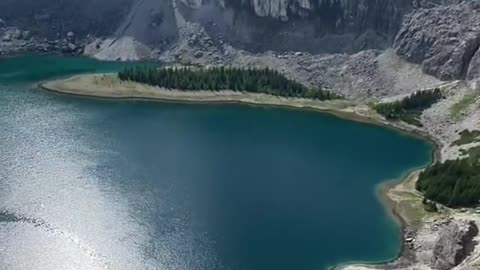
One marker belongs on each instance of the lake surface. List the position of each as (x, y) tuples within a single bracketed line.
[(99, 184)]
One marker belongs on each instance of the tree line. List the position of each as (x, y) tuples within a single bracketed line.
[(411, 107), (454, 183), (265, 81)]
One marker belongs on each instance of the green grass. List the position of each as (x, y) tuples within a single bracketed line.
[(467, 137), (414, 212), (457, 108)]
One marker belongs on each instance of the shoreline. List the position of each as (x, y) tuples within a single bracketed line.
[(107, 86), (345, 109)]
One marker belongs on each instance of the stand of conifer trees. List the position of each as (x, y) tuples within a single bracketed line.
[(409, 108), (224, 78), (453, 183)]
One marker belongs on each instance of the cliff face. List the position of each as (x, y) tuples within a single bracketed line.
[(313, 25)]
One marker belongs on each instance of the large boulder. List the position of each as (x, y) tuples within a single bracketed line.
[(453, 245)]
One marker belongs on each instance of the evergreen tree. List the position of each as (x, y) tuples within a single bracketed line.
[(453, 183), (224, 78), (411, 107)]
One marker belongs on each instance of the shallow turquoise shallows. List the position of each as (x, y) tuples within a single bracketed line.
[(101, 184)]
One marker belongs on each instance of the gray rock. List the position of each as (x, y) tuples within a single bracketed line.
[(25, 35), (7, 37), (443, 39), (474, 67), (15, 33), (326, 26), (453, 245), (72, 47)]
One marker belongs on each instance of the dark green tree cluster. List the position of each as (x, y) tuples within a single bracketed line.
[(265, 81), (454, 183), (411, 107)]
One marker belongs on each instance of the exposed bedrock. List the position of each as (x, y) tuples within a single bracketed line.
[(151, 22), (474, 67), (454, 244), (320, 26), (443, 39)]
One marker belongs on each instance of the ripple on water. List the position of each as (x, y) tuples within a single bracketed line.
[(95, 184), (56, 209)]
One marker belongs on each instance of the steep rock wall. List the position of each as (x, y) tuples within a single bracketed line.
[(315, 25), (443, 39)]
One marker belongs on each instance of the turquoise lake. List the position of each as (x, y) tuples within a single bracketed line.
[(101, 184)]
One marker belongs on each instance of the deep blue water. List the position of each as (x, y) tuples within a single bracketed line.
[(98, 184)]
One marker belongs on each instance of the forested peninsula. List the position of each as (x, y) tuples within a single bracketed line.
[(265, 81)]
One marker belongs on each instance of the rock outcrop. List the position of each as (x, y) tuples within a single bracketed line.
[(317, 26), (474, 67), (453, 245), (443, 39)]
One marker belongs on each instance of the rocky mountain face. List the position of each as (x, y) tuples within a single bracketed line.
[(442, 36), (320, 26), (444, 39), (311, 25)]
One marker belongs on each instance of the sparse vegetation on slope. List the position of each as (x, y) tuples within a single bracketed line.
[(472, 153), (410, 108), (458, 108), (467, 137), (264, 81)]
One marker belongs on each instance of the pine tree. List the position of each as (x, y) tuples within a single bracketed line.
[(224, 78)]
